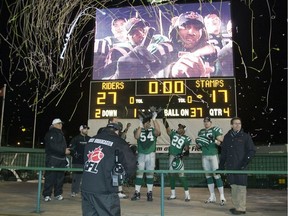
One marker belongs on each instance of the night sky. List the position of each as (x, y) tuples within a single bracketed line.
[(260, 57)]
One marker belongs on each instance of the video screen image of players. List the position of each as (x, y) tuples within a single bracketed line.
[(167, 41)]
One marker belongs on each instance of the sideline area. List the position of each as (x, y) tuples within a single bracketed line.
[(19, 199)]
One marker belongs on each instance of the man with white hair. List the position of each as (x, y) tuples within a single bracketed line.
[(56, 151)]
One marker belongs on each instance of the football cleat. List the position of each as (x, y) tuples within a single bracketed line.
[(122, 195), (212, 199), (187, 198), (171, 198), (222, 200), (136, 196), (149, 196)]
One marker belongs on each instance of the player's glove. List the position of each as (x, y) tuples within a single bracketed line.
[(127, 127), (165, 122), (154, 116)]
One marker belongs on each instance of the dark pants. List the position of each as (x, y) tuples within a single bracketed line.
[(76, 178), (54, 178), (100, 204)]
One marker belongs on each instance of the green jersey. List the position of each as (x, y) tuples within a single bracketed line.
[(147, 141), (210, 134), (178, 142)]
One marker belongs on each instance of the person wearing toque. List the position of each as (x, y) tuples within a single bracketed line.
[(55, 152)]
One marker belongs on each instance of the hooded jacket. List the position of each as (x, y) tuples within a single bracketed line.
[(99, 157)]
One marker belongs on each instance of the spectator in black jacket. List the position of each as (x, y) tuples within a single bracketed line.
[(99, 193), (77, 146), (237, 151), (122, 134), (56, 151)]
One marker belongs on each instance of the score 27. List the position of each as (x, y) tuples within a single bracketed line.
[(102, 97)]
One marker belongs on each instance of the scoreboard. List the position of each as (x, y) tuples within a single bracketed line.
[(179, 98), (182, 97)]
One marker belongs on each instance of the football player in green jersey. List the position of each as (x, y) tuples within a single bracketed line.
[(209, 138), (179, 147), (146, 137)]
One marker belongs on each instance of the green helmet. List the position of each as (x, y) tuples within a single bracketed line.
[(177, 163)]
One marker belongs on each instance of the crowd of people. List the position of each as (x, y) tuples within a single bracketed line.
[(195, 46), (109, 160)]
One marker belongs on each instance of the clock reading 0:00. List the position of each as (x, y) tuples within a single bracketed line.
[(166, 87)]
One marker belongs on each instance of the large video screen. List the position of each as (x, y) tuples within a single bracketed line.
[(164, 41)]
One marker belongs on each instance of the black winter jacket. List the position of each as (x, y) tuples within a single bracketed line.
[(55, 143), (77, 146), (237, 150), (99, 157)]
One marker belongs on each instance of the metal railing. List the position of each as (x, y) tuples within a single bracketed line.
[(160, 172)]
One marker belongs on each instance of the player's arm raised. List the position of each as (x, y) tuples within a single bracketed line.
[(137, 132), (165, 122), (156, 124)]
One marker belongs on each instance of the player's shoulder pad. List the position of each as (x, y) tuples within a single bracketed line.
[(218, 129)]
